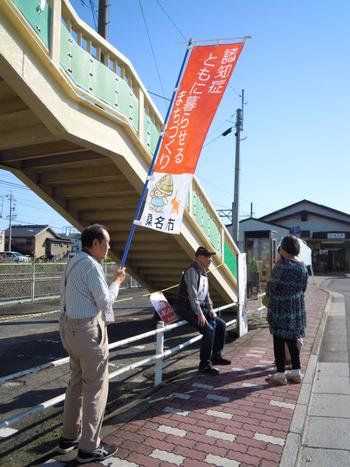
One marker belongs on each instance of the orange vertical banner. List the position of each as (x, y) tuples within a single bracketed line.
[(202, 86)]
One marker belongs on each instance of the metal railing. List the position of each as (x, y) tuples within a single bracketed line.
[(156, 359), (98, 72), (29, 282)]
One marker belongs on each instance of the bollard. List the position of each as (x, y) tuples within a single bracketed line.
[(158, 367)]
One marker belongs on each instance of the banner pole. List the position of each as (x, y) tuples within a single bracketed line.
[(144, 191)]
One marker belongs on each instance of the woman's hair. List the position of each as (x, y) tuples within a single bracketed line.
[(90, 233), (291, 245)]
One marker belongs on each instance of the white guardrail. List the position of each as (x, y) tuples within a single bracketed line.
[(157, 359)]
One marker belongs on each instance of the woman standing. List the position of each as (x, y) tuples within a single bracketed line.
[(286, 309)]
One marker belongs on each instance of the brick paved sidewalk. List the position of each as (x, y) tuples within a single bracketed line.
[(234, 419)]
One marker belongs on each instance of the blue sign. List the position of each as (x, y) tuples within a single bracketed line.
[(296, 230)]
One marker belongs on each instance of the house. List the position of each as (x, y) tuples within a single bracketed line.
[(76, 242), (38, 241)]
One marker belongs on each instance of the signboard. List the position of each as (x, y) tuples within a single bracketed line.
[(162, 307), (202, 86), (242, 295), (296, 230), (305, 254), (336, 236)]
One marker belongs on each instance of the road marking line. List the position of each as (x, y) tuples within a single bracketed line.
[(172, 431), (269, 439), (7, 432), (284, 405), (167, 456), (221, 461), (7, 318), (215, 413), (176, 411), (214, 397), (220, 435)]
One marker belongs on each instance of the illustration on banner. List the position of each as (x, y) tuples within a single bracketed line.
[(162, 190)]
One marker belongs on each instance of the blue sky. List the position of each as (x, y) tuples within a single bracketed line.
[(295, 71)]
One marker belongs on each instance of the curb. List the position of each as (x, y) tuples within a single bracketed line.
[(292, 447)]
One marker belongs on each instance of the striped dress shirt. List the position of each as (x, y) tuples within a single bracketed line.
[(86, 293)]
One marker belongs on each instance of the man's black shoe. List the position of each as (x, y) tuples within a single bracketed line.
[(209, 370), (67, 445), (104, 451), (219, 360)]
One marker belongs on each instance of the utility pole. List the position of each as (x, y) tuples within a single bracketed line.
[(11, 216), (235, 204), (242, 107), (102, 27)]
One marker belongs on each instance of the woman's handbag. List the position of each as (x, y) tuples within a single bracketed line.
[(266, 300)]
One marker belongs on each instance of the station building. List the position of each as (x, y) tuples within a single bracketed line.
[(324, 229)]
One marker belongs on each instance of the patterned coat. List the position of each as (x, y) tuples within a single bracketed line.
[(285, 290)]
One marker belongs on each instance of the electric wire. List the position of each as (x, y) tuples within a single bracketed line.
[(172, 21), (233, 89), (217, 137), (14, 185), (158, 95), (151, 47), (92, 7)]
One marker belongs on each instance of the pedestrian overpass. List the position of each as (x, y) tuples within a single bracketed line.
[(78, 127)]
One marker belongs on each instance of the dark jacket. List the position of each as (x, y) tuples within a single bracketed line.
[(286, 309), (188, 292)]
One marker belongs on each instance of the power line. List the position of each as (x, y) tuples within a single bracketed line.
[(227, 120), (172, 21), (233, 89), (214, 186), (92, 7), (93, 11), (151, 46), (158, 95), (33, 201), (225, 133), (15, 185)]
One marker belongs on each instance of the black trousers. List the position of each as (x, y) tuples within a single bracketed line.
[(280, 358), (213, 340)]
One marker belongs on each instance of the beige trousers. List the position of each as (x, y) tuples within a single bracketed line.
[(86, 342)]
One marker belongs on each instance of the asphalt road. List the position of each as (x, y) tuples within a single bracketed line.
[(29, 333)]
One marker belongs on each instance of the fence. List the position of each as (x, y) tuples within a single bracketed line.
[(21, 282), (156, 359)]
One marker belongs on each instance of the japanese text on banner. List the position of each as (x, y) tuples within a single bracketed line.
[(204, 81)]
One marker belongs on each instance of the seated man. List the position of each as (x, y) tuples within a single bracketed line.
[(195, 306)]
